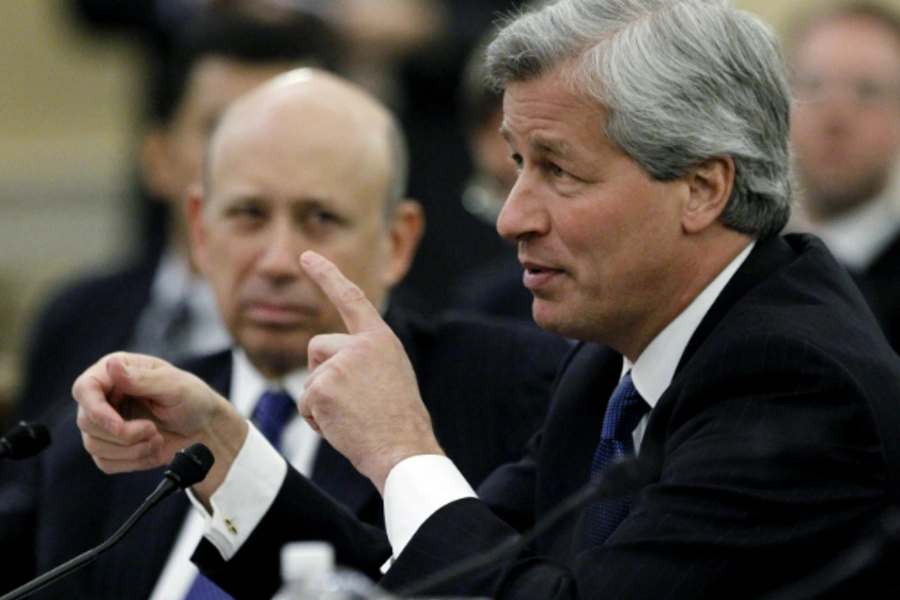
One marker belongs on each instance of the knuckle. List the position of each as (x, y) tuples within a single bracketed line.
[(351, 294)]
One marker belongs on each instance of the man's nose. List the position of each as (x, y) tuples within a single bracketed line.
[(523, 215), (281, 255)]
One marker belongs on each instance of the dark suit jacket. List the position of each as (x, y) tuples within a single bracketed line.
[(773, 450), (880, 284), (488, 385), (82, 323), (495, 288)]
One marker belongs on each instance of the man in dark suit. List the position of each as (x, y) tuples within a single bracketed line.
[(744, 368), (308, 161), (846, 132), (158, 304)]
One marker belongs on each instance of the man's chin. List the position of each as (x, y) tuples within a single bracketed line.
[(275, 353), (273, 363)]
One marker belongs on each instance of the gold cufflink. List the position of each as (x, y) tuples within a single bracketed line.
[(230, 526)]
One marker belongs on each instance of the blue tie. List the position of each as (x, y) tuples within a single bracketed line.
[(624, 412), (204, 589), (273, 411)]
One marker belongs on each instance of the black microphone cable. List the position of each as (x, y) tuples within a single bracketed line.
[(24, 440), (626, 476), (189, 466)]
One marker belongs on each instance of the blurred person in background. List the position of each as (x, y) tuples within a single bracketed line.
[(410, 54), (158, 304), (846, 133), (495, 285)]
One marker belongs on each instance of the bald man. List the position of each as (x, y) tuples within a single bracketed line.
[(305, 162)]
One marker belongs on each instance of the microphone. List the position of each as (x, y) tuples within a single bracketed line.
[(24, 440), (625, 476), (189, 466)]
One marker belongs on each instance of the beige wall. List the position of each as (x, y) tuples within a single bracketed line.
[(67, 113)]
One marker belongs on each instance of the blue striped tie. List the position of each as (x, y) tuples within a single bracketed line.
[(624, 412)]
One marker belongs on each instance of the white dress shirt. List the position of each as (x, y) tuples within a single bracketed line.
[(859, 235), (299, 445), (420, 485)]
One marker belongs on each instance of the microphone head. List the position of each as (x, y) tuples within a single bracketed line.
[(190, 465), (24, 440)]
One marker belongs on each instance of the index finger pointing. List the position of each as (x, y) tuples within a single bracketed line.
[(357, 312)]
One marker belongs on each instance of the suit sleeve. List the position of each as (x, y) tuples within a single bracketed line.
[(301, 512)]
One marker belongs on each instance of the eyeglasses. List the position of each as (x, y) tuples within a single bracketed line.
[(863, 92)]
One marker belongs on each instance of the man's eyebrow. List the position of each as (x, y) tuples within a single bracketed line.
[(558, 148)]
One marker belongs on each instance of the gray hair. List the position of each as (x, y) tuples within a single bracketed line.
[(682, 81)]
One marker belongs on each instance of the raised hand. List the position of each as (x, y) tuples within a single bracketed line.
[(135, 412), (362, 394)]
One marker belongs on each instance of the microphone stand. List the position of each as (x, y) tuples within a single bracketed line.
[(189, 467), (161, 491)]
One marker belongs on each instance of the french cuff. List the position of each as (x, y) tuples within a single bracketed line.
[(414, 490), (241, 502)]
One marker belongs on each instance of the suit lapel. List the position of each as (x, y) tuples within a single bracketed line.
[(336, 476), (571, 434), (135, 289), (767, 257)]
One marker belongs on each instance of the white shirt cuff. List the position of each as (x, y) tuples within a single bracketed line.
[(414, 490), (241, 502)]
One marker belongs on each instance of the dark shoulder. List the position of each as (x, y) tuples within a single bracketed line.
[(97, 292), (811, 301), (474, 337), (214, 369), (803, 331)]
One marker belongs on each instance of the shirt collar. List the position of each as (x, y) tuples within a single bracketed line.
[(248, 384), (655, 367)]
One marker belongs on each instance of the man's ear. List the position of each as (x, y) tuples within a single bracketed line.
[(196, 227), (405, 231), (709, 183)]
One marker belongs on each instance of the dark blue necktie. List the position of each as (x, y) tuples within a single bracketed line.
[(624, 412), (204, 589), (273, 411)]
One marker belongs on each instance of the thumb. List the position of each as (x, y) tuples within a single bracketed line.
[(136, 374)]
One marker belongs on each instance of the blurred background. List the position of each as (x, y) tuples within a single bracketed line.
[(71, 107)]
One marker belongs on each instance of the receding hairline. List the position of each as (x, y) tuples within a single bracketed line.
[(307, 87)]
